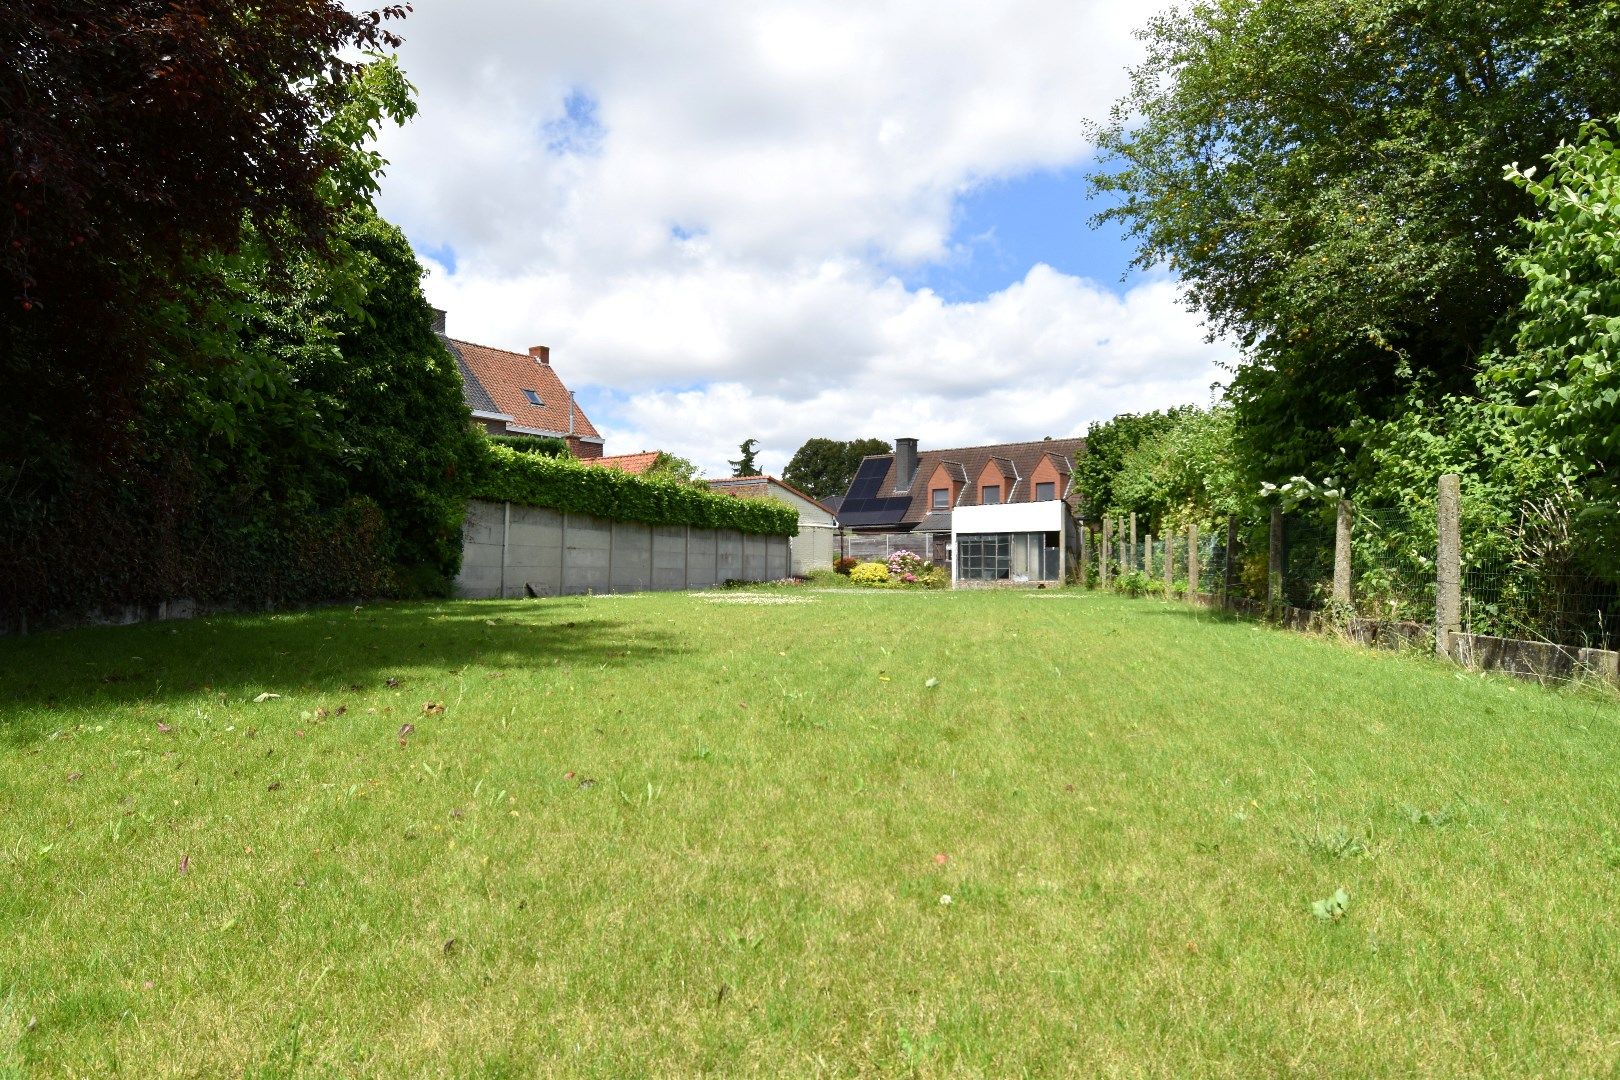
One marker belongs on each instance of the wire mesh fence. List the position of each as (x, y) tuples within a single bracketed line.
[(1307, 565), (1553, 602), (1527, 601), (1392, 565)]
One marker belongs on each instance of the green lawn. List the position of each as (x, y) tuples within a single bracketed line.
[(664, 835)]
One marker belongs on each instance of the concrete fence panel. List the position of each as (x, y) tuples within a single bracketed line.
[(703, 559), (669, 557), (513, 551)]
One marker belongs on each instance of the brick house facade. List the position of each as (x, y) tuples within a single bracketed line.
[(513, 393)]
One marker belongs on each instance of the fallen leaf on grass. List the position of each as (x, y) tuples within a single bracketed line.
[(941, 859), (405, 731), (266, 696), (73, 776), (432, 708), (274, 785), (164, 729), (391, 682), (185, 863), (931, 683)]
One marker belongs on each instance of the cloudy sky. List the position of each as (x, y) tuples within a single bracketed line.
[(788, 219)]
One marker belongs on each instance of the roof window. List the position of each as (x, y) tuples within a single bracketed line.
[(533, 396)]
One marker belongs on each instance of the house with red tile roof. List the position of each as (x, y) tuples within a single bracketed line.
[(999, 512), (513, 393)]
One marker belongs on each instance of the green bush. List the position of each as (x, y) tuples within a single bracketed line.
[(871, 573), (1135, 583), (538, 445), (567, 485)]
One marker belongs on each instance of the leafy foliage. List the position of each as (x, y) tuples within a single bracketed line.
[(675, 469), (1324, 178), (1108, 444), (138, 138), (565, 484), (539, 445), (823, 468), (1566, 348)]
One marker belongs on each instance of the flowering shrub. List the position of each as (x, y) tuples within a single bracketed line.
[(902, 563), (845, 564), (871, 573)]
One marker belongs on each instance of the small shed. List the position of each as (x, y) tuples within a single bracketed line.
[(817, 543)]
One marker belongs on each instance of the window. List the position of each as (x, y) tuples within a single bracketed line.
[(533, 396), (986, 557), (942, 498), (990, 496), (1045, 492)]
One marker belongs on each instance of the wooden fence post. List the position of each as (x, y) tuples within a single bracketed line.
[(1230, 579), (1192, 562), (1341, 553), (1274, 580), (1448, 567), (1102, 553)]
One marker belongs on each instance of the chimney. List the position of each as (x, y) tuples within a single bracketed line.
[(570, 402), (905, 463), (439, 315), (541, 353)]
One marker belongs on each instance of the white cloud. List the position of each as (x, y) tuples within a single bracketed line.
[(798, 148)]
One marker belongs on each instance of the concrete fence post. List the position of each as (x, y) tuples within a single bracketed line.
[(1448, 566), (1274, 577), (1102, 553), (1192, 562), (1085, 552), (1229, 581), (1341, 553), (1135, 551), (1169, 560), (506, 535), (1147, 554), (1124, 566)]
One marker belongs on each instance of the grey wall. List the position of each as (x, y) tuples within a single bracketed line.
[(510, 550)]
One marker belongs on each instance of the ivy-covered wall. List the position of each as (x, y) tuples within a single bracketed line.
[(564, 484)]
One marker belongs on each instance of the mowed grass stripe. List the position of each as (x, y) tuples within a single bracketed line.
[(659, 835)]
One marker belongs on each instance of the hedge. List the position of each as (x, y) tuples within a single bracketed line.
[(566, 485)]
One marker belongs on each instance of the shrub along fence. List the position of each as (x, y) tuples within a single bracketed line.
[(552, 527), (1390, 577)]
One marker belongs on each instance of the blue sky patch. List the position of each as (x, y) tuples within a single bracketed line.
[(444, 255), (1003, 228), (579, 130)]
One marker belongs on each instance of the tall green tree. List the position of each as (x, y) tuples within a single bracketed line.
[(745, 464), (823, 468), (1109, 444), (1324, 177), (138, 137)]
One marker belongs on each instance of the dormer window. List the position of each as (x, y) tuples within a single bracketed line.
[(941, 499), (533, 396)]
